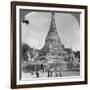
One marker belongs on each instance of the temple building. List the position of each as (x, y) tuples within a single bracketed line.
[(54, 50)]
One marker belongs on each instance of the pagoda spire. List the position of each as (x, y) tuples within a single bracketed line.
[(53, 25), (52, 16), (52, 34), (52, 42)]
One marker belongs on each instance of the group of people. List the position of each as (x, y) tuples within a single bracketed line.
[(48, 73)]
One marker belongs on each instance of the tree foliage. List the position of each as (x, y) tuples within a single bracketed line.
[(25, 48)]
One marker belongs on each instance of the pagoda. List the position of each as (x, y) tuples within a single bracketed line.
[(53, 45)]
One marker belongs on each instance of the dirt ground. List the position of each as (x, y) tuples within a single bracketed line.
[(26, 76)]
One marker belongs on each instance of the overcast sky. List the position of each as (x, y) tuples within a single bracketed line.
[(67, 25)]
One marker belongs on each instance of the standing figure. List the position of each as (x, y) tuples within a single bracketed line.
[(60, 74), (42, 67), (48, 73), (37, 74)]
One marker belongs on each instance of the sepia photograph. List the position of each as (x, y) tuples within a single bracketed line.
[(49, 44)]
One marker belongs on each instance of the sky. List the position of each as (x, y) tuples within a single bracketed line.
[(35, 32)]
